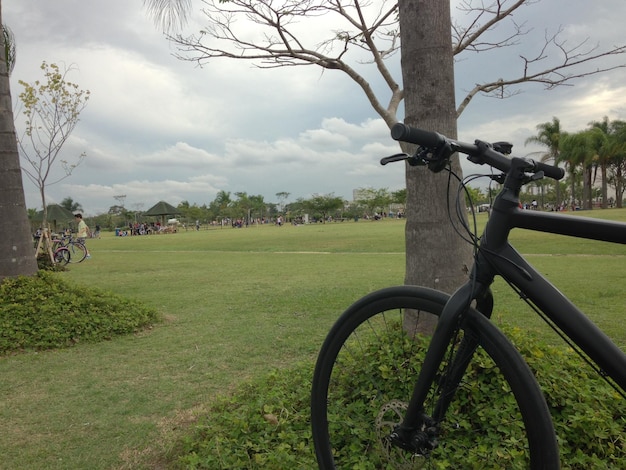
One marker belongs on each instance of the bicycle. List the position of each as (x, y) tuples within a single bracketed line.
[(58, 253), (62, 255), (414, 410), (76, 247)]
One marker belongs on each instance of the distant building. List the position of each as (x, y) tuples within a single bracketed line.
[(359, 194)]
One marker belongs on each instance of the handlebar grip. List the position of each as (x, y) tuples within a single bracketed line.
[(550, 171), (412, 135)]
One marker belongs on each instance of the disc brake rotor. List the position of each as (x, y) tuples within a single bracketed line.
[(391, 414)]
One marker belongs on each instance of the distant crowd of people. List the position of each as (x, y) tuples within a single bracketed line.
[(141, 228)]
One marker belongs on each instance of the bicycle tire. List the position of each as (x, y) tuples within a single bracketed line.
[(78, 251), (62, 256), (355, 401)]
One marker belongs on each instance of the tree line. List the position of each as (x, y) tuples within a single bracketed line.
[(227, 206), (594, 159)]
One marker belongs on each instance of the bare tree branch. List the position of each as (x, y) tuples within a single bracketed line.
[(560, 74), (367, 32), (283, 39), (468, 37)]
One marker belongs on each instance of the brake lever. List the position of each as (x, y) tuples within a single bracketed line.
[(420, 158), (398, 157), (499, 178)]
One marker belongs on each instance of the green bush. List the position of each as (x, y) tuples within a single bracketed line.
[(43, 312), (44, 263), (589, 415), (265, 424)]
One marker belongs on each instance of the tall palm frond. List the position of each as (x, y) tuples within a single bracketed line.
[(170, 14), (10, 51)]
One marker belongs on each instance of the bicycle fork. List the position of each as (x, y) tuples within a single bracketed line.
[(418, 433)]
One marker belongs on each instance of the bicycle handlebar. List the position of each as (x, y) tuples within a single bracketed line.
[(478, 152)]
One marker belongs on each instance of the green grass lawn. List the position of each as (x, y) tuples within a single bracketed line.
[(236, 303)]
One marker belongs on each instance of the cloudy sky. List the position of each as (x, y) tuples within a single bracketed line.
[(158, 128)]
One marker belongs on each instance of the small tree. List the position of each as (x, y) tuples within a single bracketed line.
[(324, 204), (258, 205), (282, 197), (221, 206), (52, 109), (374, 199)]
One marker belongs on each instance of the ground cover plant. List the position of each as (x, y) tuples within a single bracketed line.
[(46, 312), (237, 304), (265, 424)]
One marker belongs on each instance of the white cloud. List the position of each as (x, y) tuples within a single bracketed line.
[(181, 155)]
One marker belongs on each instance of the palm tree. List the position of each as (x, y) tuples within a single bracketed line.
[(599, 133), (578, 150), (617, 165), (71, 205), (609, 148), (550, 136), (17, 256)]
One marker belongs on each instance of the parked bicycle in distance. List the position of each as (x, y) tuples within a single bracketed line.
[(75, 246), (384, 396), (51, 247)]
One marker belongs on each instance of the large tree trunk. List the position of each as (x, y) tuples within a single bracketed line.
[(17, 255), (435, 255)]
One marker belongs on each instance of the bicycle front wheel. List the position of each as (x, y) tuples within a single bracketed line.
[(364, 379), (78, 252)]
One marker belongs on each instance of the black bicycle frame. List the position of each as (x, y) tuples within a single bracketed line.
[(497, 257), (509, 264)]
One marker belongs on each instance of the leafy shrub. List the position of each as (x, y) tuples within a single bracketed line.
[(265, 424), (43, 312), (589, 415), (45, 264)]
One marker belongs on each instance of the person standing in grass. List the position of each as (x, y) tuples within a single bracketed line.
[(83, 231)]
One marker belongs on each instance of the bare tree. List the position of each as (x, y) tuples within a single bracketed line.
[(52, 109)]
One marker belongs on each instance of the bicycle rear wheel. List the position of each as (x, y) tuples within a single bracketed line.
[(78, 252), (62, 256), (364, 378)]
